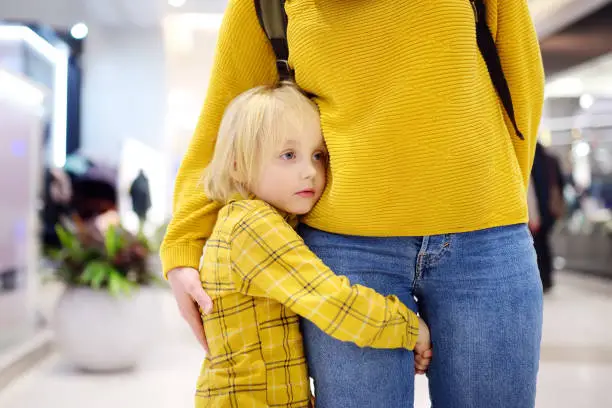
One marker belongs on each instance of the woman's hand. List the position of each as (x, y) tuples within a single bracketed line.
[(188, 293)]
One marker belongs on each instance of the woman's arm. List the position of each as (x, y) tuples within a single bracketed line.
[(519, 51)]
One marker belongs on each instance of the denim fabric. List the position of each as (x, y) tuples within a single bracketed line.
[(479, 292)]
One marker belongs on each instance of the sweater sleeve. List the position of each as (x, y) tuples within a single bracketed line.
[(519, 51), (243, 60)]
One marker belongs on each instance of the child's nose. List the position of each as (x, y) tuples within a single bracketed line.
[(309, 171)]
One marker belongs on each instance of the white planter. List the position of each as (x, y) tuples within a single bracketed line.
[(98, 332)]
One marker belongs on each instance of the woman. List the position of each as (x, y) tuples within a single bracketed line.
[(426, 196)]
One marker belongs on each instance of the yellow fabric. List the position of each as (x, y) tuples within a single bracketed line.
[(261, 276), (419, 143)]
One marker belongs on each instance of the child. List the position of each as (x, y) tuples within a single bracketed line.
[(269, 166)]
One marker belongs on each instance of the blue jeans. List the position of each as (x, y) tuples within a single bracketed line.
[(479, 292)]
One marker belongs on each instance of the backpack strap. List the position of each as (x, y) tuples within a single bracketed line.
[(488, 49), (273, 20)]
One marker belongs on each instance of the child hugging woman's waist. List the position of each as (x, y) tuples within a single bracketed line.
[(268, 168)]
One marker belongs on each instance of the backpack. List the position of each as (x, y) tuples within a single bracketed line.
[(273, 20)]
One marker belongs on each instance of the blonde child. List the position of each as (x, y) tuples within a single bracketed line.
[(269, 166)]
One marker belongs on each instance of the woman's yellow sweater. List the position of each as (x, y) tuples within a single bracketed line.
[(419, 143)]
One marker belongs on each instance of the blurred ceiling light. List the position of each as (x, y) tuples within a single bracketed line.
[(79, 31), (582, 149), (177, 3), (586, 101)]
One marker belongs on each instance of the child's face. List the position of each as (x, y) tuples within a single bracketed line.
[(292, 179)]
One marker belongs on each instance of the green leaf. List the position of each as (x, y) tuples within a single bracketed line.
[(54, 253), (112, 241), (114, 285), (96, 273), (67, 239), (71, 246), (118, 284)]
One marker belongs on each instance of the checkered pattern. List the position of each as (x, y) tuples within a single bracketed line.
[(261, 276)]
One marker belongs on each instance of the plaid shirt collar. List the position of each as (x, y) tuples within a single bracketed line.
[(291, 219)]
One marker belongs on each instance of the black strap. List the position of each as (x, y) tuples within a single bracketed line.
[(488, 49), (273, 20)]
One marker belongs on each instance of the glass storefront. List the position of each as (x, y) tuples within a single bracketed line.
[(583, 238), (33, 103), (21, 124)]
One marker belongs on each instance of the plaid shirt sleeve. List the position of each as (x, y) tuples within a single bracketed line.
[(269, 259)]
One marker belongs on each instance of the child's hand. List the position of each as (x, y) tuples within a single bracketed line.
[(422, 350)]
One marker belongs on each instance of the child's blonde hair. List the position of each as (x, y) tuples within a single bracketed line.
[(256, 123)]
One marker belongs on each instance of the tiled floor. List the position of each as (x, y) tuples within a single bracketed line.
[(576, 368)]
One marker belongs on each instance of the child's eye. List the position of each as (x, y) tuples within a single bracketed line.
[(288, 156), (320, 156)]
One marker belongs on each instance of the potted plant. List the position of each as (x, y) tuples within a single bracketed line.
[(103, 320)]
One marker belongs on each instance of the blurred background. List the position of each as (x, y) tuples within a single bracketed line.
[(98, 102)]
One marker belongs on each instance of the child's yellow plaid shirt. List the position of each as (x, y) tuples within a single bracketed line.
[(261, 276)]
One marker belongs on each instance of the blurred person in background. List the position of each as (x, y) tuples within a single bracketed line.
[(140, 193), (56, 200), (55, 197), (548, 185), (426, 199)]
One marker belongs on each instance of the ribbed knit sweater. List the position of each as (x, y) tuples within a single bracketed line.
[(418, 140)]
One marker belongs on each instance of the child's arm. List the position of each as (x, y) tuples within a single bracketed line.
[(269, 259)]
